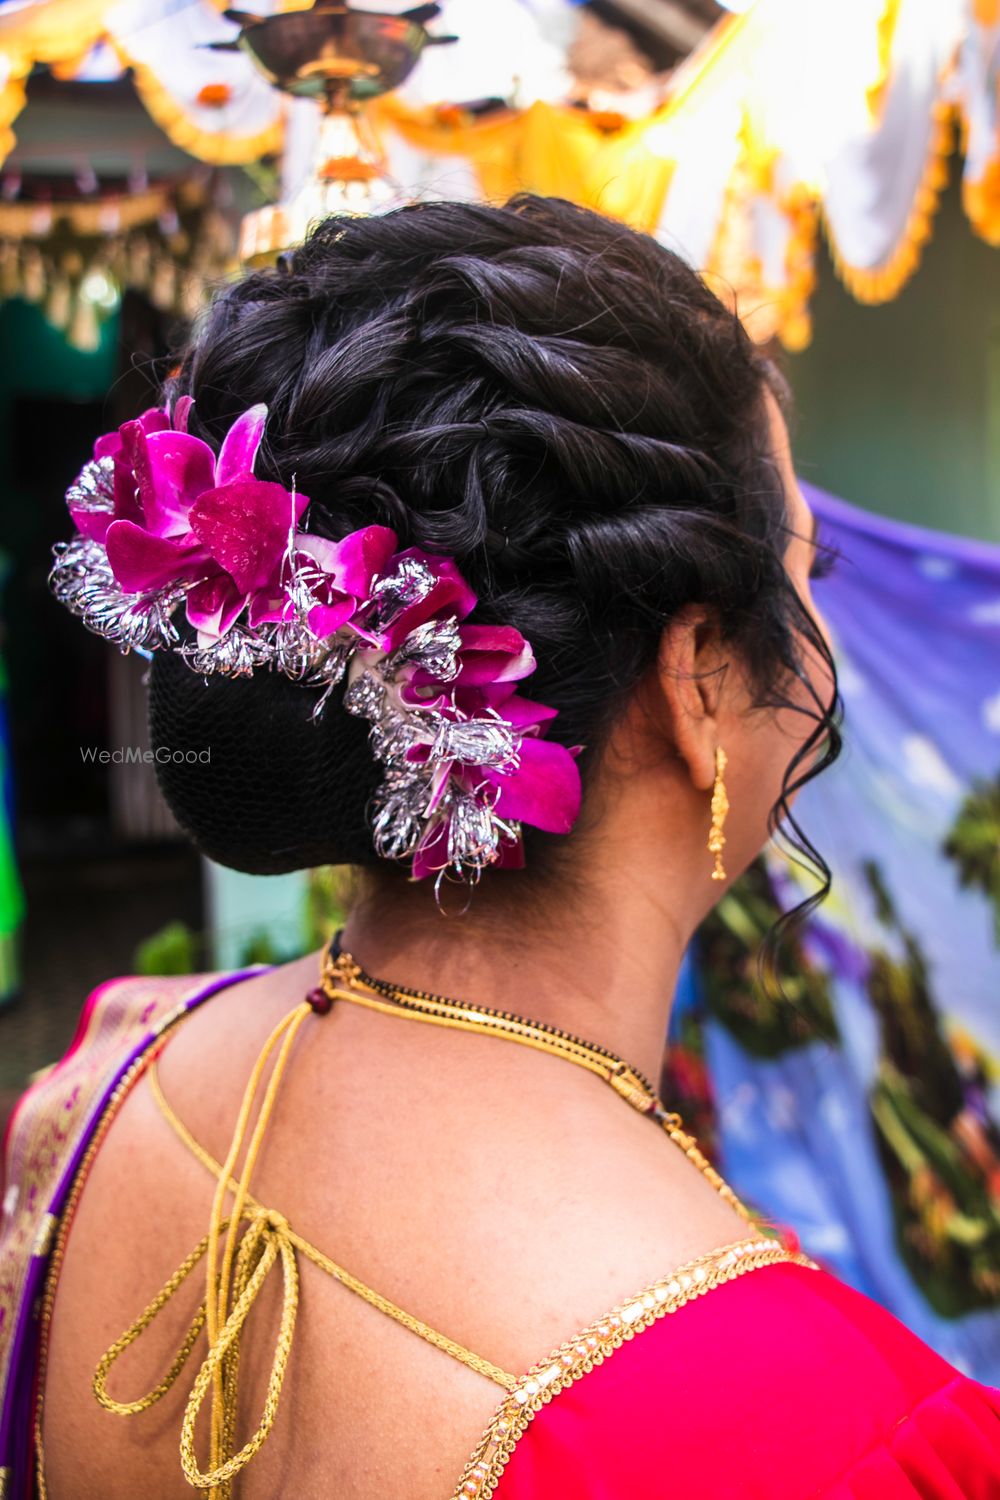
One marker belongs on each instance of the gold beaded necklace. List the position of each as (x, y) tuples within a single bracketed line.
[(342, 978)]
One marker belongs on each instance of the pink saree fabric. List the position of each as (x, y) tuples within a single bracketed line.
[(781, 1385), (44, 1146)]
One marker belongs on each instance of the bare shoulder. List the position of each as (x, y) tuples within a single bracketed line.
[(485, 1150), (499, 1195)]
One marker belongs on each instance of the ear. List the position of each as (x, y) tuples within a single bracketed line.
[(691, 669)]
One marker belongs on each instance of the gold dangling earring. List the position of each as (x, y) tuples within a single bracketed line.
[(720, 807)]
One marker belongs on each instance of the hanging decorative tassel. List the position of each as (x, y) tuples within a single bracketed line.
[(34, 275), (59, 305), (83, 332)]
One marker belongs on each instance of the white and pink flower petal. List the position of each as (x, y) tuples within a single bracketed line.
[(270, 605), (326, 619), (494, 653), (181, 412), (126, 495), (431, 856), (152, 420), (525, 715), (360, 558), (91, 523), (503, 698)]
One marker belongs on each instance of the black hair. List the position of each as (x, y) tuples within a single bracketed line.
[(556, 401)]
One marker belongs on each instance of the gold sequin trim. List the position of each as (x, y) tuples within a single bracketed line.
[(45, 1234), (579, 1355)]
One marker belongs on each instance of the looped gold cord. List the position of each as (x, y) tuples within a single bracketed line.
[(218, 1278), (245, 1272), (237, 1276), (130, 1408), (353, 1284), (269, 1232), (267, 1239)]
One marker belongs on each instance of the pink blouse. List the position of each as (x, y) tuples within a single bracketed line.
[(783, 1384)]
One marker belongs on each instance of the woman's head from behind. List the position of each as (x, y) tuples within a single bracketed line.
[(563, 407)]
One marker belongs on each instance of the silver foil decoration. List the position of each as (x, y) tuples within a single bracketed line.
[(393, 735), (136, 622), (399, 818), (476, 742), (305, 657), (432, 646), (330, 670), (297, 652), (82, 580), (366, 697), (93, 489), (473, 833), (235, 654), (307, 584), (409, 583), (80, 568)]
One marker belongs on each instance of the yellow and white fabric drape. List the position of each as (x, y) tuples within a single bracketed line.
[(795, 119), (213, 104)]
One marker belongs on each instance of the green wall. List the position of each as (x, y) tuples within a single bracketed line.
[(35, 360), (898, 407), (57, 670)]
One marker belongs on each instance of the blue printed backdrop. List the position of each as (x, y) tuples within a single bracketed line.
[(864, 1113)]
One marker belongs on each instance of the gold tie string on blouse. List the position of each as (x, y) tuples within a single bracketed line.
[(266, 1240), (236, 1272)]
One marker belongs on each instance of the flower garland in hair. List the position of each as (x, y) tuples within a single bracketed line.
[(163, 522)]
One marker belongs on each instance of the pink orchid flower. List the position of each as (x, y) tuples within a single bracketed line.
[(542, 787), (94, 523), (337, 575), (450, 595), (202, 521), (543, 790), (489, 657), (174, 517)]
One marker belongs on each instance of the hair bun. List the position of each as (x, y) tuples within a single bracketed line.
[(256, 784), (555, 402)]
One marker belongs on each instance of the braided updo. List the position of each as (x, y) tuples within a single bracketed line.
[(550, 398)]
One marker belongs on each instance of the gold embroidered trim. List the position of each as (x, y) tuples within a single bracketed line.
[(45, 1234), (579, 1355)]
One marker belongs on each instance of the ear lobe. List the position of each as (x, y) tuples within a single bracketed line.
[(689, 671)]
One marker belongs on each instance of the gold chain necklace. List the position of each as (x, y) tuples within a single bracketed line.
[(342, 978)]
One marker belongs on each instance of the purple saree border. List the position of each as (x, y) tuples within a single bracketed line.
[(16, 1419)]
